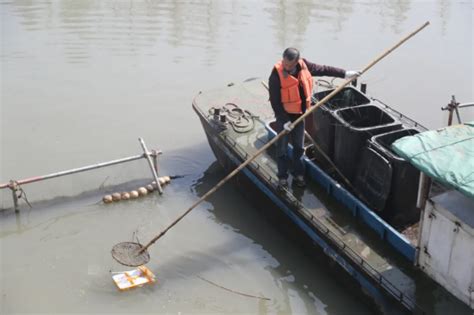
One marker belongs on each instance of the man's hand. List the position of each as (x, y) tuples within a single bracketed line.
[(287, 126), (352, 73)]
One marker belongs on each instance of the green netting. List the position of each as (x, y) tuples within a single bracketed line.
[(446, 154)]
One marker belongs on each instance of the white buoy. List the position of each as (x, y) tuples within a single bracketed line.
[(125, 196), (133, 194), (116, 197), (107, 199), (142, 191), (150, 188)]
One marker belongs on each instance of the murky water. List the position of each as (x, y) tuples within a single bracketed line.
[(82, 80)]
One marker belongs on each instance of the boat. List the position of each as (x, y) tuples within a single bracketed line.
[(360, 209)]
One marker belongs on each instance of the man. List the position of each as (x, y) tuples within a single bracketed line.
[(291, 87)]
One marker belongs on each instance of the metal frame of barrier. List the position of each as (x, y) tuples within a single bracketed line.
[(15, 185)]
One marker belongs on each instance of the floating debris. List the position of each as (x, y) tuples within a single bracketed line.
[(133, 278)]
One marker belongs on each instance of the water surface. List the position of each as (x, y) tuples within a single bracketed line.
[(82, 80)]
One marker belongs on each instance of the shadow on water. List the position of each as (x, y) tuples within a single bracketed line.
[(52, 204), (292, 264), (294, 257)]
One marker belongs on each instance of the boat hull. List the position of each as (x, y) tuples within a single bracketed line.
[(301, 230)]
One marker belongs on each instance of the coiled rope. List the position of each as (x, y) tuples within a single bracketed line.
[(241, 120)]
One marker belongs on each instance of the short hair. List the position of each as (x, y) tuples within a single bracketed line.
[(291, 54)]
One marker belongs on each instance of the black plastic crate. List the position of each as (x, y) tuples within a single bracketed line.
[(324, 120), (354, 126), (401, 202)]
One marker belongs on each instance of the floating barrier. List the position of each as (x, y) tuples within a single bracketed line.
[(152, 157), (139, 192)]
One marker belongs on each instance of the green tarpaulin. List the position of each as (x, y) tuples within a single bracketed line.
[(446, 155)]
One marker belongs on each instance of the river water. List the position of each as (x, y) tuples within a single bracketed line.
[(82, 80)]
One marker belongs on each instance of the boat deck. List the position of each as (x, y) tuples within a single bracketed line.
[(339, 221)]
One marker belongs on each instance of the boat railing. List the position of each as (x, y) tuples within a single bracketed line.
[(454, 106), (399, 115), (363, 88), (348, 253)]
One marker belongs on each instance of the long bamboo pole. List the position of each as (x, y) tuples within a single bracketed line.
[(281, 134)]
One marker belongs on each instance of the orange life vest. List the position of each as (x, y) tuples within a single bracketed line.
[(290, 91)]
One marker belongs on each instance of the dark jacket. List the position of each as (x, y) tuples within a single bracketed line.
[(274, 87)]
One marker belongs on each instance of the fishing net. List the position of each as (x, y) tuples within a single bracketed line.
[(130, 254)]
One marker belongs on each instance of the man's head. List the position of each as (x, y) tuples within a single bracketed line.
[(290, 58)]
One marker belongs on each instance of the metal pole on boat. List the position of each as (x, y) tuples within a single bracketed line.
[(424, 187), (465, 105), (124, 252), (452, 106)]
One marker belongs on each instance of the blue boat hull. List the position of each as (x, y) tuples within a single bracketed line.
[(278, 209)]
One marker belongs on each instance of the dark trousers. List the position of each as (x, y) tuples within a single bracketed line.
[(296, 138)]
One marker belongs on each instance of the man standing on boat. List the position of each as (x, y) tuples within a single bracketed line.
[(291, 88)]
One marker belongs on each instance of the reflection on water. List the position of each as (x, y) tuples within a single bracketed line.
[(304, 283), (444, 6), (130, 28), (392, 13), (81, 80), (291, 21)]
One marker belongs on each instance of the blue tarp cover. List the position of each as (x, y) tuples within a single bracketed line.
[(446, 155)]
